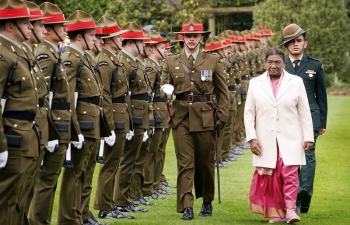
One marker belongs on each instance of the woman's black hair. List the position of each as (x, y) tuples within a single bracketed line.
[(275, 51)]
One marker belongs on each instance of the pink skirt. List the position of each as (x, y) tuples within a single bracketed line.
[(271, 195)]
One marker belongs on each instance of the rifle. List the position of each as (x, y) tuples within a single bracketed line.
[(8, 84)]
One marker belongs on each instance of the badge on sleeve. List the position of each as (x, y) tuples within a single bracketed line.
[(206, 75), (67, 63), (103, 63), (42, 56)]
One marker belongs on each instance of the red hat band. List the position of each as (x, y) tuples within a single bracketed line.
[(159, 39), (98, 30), (36, 13), (214, 46), (166, 45), (180, 37), (54, 18), (110, 30), (198, 27), (81, 26), (131, 35), (12, 13)]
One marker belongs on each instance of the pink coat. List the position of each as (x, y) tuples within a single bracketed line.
[(286, 118)]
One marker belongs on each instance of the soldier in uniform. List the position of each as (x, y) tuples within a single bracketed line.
[(139, 90), (48, 57), (41, 118), (194, 74), (312, 73), (117, 109), (19, 146), (87, 116), (156, 55)]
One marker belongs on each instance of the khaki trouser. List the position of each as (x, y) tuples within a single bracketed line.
[(106, 177), (239, 123), (126, 169), (138, 175), (44, 195), (195, 164), (70, 212), (147, 187), (87, 181), (160, 160)]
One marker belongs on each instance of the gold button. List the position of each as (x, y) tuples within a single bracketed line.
[(84, 112), (88, 79), (23, 78), (191, 82), (62, 69), (192, 71), (175, 76), (33, 122), (120, 81), (132, 106), (37, 105), (101, 108), (35, 89), (158, 108), (70, 110), (46, 109), (126, 104), (64, 78), (37, 78), (124, 94), (190, 103), (15, 125), (139, 80), (58, 118), (113, 110)]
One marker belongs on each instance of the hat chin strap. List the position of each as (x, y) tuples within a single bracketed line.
[(59, 37), (159, 52), (88, 48), (194, 47), (98, 51), (115, 43), (137, 47), (25, 38), (36, 37)]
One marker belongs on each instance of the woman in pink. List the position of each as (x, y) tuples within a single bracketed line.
[(278, 126)]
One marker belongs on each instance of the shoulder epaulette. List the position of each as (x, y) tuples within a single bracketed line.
[(310, 57)]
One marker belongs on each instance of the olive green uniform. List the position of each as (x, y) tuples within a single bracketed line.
[(42, 204), (192, 122), (17, 119), (87, 119), (139, 100), (117, 110)]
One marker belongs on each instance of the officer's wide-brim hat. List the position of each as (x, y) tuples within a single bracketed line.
[(80, 20), (180, 38), (156, 37), (53, 12), (292, 31), (35, 12), (134, 32), (192, 26), (214, 43), (148, 40), (167, 45), (110, 27), (98, 30), (13, 9)]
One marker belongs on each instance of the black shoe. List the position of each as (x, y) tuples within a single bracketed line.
[(305, 198), (113, 214), (131, 208), (163, 191), (166, 184), (155, 196), (142, 201), (92, 221), (188, 214), (206, 210)]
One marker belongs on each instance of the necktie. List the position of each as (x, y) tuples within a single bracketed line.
[(191, 59), (296, 66)]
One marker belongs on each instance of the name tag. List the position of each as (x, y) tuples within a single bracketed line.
[(206, 75)]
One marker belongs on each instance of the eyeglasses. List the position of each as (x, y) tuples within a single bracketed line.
[(277, 63)]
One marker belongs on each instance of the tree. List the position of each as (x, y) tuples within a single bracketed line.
[(95, 8), (329, 23)]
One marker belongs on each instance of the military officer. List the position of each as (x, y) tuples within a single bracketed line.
[(48, 56), (117, 109), (41, 118), (139, 90), (19, 146), (193, 75), (312, 73), (87, 115)]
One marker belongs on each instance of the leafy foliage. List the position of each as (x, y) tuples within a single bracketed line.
[(329, 23)]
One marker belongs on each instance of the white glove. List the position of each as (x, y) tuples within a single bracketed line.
[(111, 139), (51, 145), (3, 158), (145, 136), (129, 135), (168, 89), (79, 144)]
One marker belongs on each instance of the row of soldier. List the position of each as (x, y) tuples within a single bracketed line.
[(89, 103)]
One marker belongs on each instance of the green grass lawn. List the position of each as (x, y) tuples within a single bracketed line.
[(330, 204)]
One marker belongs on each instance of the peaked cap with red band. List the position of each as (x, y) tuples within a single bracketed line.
[(53, 12), (134, 32), (110, 27), (13, 9), (80, 20), (214, 43), (192, 26), (35, 12)]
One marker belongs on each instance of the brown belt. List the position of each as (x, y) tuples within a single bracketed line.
[(193, 98)]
